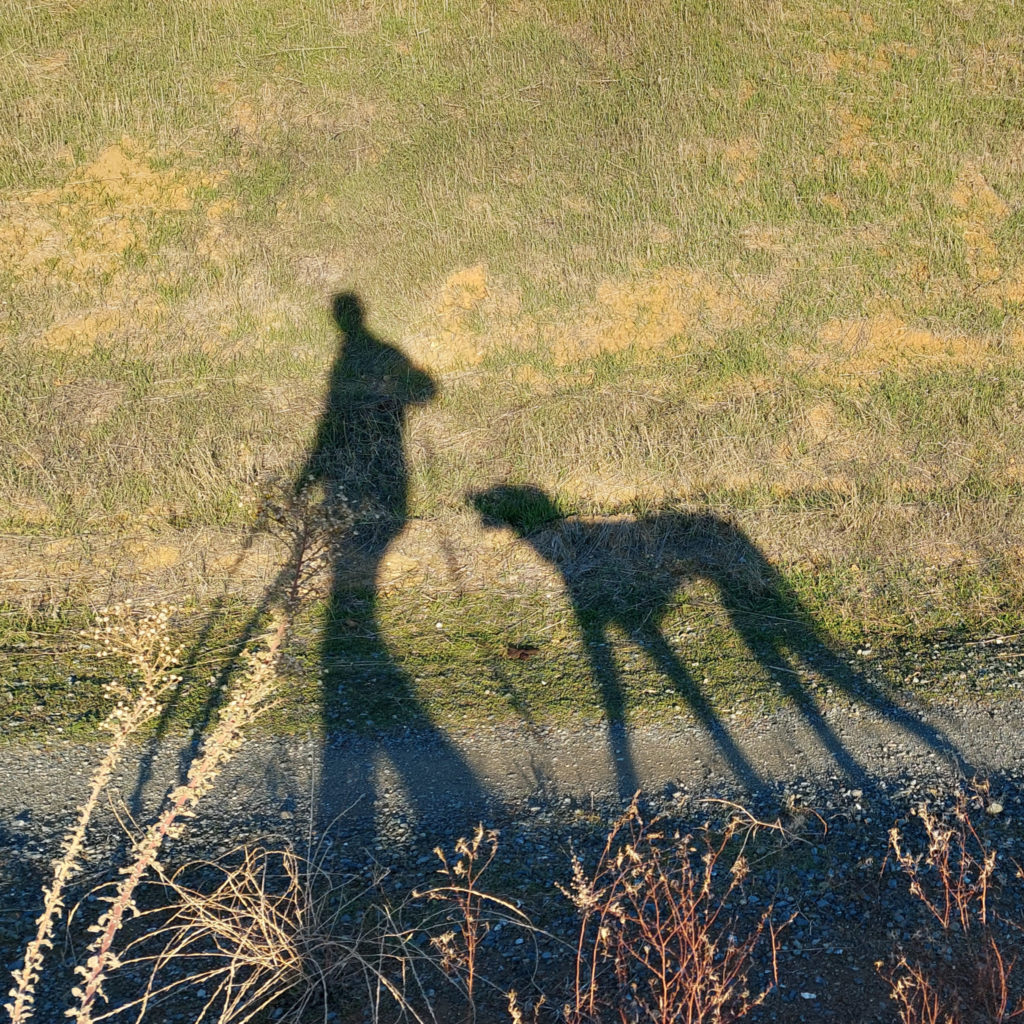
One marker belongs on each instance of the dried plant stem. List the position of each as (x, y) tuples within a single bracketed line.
[(251, 699), (143, 640), (652, 914), (474, 858), (145, 643), (26, 978), (954, 879)]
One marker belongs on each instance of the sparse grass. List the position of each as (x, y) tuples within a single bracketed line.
[(759, 260), (463, 676)]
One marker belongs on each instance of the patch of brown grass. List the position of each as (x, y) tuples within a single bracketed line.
[(91, 569), (470, 315), (996, 66), (980, 211), (739, 158), (76, 242), (862, 347), (263, 116), (1007, 289), (80, 333), (649, 312), (827, 64), (779, 240), (474, 315), (854, 143), (83, 228)]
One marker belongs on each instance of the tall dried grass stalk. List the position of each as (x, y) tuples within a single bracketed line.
[(473, 858), (914, 993), (143, 641), (252, 697), (313, 528), (960, 865)]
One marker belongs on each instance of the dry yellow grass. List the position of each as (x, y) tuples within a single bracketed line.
[(646, 261)]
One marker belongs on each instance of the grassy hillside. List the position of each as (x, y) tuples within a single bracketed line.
[(754, 261)]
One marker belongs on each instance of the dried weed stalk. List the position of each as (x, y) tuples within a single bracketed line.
[(143, 641), (313, 524), (473, 908), (952, 879), (915, 994), (262, 924), (312, 528), (473, 858), (655, 943), (246, 933), (971, 979), (256, 935), (252, 697), (519, 1014)]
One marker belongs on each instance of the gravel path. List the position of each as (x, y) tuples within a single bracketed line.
[(389, 801), (420, 773)]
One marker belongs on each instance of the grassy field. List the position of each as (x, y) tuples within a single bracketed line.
[(761, 263)]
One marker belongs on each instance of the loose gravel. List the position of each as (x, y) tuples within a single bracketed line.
[(381, 804)]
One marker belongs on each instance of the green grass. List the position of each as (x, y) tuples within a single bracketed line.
[(631, 244), (461, 675)]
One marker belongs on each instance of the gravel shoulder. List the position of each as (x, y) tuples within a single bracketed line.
[(421, 772), (382, 804)]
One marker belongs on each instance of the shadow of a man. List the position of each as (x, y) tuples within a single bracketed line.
[(358, 453), (626, 572), (358, 457)]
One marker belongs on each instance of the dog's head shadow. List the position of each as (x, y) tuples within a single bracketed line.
[(643, 556), (524, 508)]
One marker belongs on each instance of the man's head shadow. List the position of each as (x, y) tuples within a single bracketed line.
[(369, 366)]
